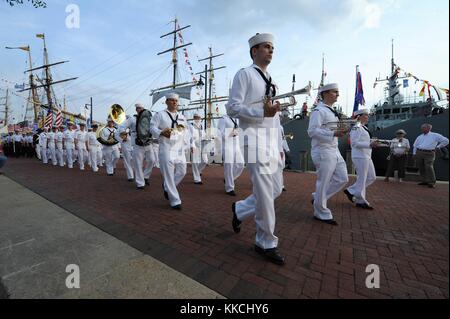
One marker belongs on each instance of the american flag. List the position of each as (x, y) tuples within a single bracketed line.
[(58, 121), (49, 118)]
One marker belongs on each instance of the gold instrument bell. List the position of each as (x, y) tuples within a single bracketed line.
[(289, 136), (117, 114)]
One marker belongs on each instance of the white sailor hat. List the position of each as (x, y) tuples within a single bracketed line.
[(328, 87), (401, 132), (82, 124), (139, 105), (260, 38), (173, 96), (362, 112)]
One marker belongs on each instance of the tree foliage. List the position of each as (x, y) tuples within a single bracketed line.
[(35, 3)]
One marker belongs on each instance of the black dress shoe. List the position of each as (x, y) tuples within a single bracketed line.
[(431, 185), (176, 207), (350, 197), (284, 189), (271, 254), (422, 183), (110, 174), (130, 179), (364, 206), (236, 223), (140, 187), (198, 183), (166, 195), (231, 193), (147, 181), (327, 221), (312, 201)]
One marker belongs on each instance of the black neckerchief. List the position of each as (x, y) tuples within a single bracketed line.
[(174, 122), (370, 134), (334, 111), (269, 84), (234, 122), (111, 133)]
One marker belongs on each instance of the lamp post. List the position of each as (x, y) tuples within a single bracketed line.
[(200, 83)]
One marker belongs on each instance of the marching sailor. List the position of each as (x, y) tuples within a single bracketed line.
[(362, 159), (250, 101), (199, 157), (92, 144), (80, 145), (43, 139), (173, 134), (110, 151), (233, 161), (331, 169), (69, 144), (59, 139), (127, 152), (52, 145)]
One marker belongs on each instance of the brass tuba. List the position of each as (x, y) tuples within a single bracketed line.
[(117, 114), (289, 136)]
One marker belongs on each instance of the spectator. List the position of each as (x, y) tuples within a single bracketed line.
[(398, 155)]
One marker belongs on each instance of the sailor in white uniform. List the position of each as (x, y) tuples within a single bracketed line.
[(331, 169), (43, 139), (110, 152), (362, 145), (127, 152), (199, 157), (59, 138), (233, 161), (92, 144), (69, 144), (250, 102), (140, 153), (174, 139), (52, 145), (80, 144)]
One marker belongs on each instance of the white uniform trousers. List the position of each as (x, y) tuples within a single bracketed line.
[(232, 167), (112, 155), (99, 156), (365, 177), (44, 155), (69, 157), (93, 152), (60, 154), (139, 154), (197, 168), (155, 151), (82, 157), (52, 151), (173, 170), (127, 152), (331, 172), (38, 151), (261, 204)]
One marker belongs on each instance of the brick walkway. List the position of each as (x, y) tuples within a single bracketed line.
[(406, 235)]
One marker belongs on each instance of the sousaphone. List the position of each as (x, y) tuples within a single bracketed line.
[(117, 114)]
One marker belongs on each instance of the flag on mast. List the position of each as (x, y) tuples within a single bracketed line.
[(359, 93)]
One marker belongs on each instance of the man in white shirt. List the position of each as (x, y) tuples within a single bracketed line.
[(172, 130), (17, 141), (251, 102), (399, 148), (52, 145), (59, 139), (199, 157), (424, 151), (110, 152), (80, 144), (233, 161), (69, 144), (331, 169), (43, 140), (92, 144)]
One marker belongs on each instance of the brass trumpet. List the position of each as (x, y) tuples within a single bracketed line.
[(341, 125), (290, 96)]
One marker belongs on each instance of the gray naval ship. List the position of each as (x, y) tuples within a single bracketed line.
[(396, 111)]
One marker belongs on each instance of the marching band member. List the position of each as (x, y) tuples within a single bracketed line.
[(199, 157), (43, 138), (17, 144), (331, 169), (127, 152), (81, 145), (140, 152), (52, 145), (173, 134), (59, 138), (260, 123), (69, 139), (93, 147), (362, 159), (233, 161), (30, 143), (110, 152)]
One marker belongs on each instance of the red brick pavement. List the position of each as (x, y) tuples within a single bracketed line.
[(406, 235)]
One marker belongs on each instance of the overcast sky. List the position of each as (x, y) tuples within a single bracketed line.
[(114, 52)]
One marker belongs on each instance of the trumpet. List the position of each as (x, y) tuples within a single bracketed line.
[(290, 96), (341, 125), (383, 143)]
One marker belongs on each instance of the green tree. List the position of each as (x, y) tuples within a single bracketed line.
[(35, 3)]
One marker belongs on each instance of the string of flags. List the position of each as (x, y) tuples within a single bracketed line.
[(186, 59)]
